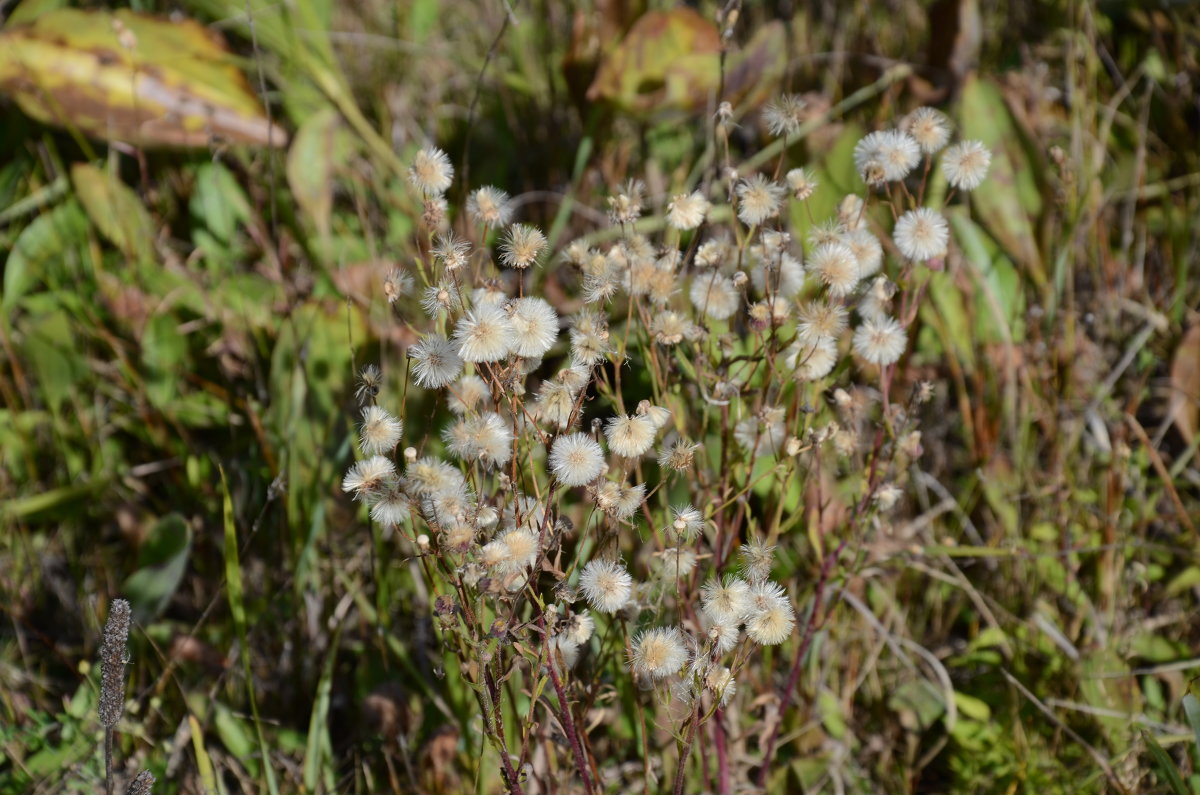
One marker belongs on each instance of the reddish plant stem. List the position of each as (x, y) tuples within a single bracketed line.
[(681, 771), (794, 676), (510, 775), (569, 725), (722, 753)]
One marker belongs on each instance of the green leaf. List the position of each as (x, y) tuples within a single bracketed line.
[(52, 348), (233, 734), (1191, 708), (1010, 197), (319, 747), (1165, 765), (218, 202), (164, 352), (115, 210), (162, 560), (38, 246), (310, 165)]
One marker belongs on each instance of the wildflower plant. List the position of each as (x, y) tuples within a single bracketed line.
[(597, 517)]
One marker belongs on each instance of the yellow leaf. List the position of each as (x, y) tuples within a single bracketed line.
[(129, 77)]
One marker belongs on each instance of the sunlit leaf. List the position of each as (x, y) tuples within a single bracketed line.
[(129, 77), (115, 210)]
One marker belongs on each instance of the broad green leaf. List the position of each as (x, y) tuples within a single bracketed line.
[(1009, 199), (218, 201), (320, 144), (233, 734), (47, 239), (1191, 708), (164, 353), (131, 77), (53, 351), (162, 561), (115, 210)]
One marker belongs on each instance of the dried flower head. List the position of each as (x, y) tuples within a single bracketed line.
[(801, 183), (370, 379), (490, 207), (436, 362), (390, 507), (880, 341), (658, 653), (678, 456), (484, 334), (758, 199), (820, 320), (522, 246), (714, 295), (625, 206), (534, 325), (921, 234), (837, 267), (576, 459), (369, 476), (468, 394), (687, 210), (725, 602), (605, 585), (431, 171), (630, 436), (785, 115), (757, 559), (929, 128), (379, 431), (966, 164), (396, 284), (451, 251)]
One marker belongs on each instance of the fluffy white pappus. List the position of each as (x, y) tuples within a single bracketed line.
[(687, 210), (490, 206), (436, 362), (880, 341), (725, 602), (431, 171), (630, 436), (379, 431), (658, 653), (714, 295), (606, 585), (966, 164), (522, 246), (369, 476), (576, 459), (484, 334), (811, 359), (759, 199), (929, 128), (837, 268), (535, 327), (921, 234), (867, 250)]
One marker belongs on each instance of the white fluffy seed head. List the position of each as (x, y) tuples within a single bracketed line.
[(687, 210), (436, 363), (630, 436), (880, 341), (605, 585), (369, 476), (535, 327), (837, 267), (379, 431), (758, 199), (522, 246), (725, 602), (714, 295), (921, 234), (658, 653), (576, 459), (431, 171), (484, 334), (966, 164), (489, 206), (929, 128)]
